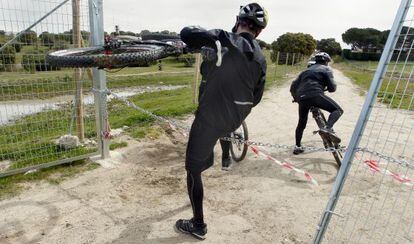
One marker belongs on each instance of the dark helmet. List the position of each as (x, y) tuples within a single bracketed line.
[(255, 13), (322, 57)]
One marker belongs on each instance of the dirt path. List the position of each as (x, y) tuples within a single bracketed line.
[(139, 200)]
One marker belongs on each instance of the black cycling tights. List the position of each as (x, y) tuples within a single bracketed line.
[(195, 192), (225, 147), (322, 102)]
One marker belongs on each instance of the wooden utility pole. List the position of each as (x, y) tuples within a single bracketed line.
[(77, 42), (196, 77), (276, 63)]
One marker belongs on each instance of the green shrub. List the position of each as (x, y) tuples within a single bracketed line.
[(7, 58), (36, 61), (17, 47), (360, 56)]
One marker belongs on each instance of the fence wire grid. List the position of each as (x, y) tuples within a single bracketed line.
[(43, 109), (376, 204)]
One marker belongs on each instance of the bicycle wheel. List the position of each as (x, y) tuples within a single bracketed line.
[(137, 55), (238, 149), (337, 155), (327, 142)]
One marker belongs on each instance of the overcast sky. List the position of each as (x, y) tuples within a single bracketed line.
[(320, 18)]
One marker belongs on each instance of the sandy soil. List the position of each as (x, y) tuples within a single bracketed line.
[(138, 200)]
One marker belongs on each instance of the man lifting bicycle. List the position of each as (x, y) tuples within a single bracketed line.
[(234, 84), (308, 90)]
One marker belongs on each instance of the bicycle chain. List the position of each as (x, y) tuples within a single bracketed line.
[(307, 149)]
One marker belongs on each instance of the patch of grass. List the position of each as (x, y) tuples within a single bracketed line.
[(30, 139), (115, 145), (21, 85), (152, 79), (11, 186), (395, 92), (163, 103)]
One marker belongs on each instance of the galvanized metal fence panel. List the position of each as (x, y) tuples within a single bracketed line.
[(47, 114), (372, 199)]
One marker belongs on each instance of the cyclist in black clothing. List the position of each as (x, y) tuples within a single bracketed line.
[(308, 90), (209, 55), (234, 84)]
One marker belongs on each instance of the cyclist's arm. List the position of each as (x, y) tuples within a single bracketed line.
[(293, 87), (196, 37), (330, 82), (258, 90)]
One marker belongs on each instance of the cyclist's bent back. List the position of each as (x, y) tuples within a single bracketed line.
[(308, 90)]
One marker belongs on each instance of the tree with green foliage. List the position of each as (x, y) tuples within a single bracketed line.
[(298, 43), (295, 43), (365, 39), (47, 38), (28, 37), (263, 44), (330, 46), (144, 32)]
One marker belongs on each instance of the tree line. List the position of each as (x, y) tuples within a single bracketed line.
[(366, 43)]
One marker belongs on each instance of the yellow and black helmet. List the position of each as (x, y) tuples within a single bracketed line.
[(255, 13)]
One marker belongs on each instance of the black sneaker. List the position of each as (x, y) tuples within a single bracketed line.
[(298, 150), (188, 226), (226, 163), (329, 132)]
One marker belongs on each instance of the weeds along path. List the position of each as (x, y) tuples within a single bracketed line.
[(139, 199)]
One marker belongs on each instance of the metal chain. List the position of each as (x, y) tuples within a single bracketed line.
[(403, 163), (307, 149)]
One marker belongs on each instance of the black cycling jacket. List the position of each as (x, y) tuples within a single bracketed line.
[(312, 82), (232, 89)]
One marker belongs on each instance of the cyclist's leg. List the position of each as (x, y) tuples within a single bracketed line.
[(196, 193), (225, 156), (199, 157), (225, 147), (328, 104), (303, 120)]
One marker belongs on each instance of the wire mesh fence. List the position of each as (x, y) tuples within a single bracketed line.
[(46, 113), (376, 203)]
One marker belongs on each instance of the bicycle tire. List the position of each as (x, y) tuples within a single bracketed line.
[(336, 154), (321, 122), (243, 147), (126, 55)]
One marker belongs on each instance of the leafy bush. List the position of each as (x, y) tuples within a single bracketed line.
[(330, 46), (295, 43), (60, 44), (360, 56), (17, 47), (7, 58), (36, 61), (28, 37)]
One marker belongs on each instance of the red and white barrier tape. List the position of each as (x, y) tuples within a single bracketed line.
[(284, 164), (176, 127), (374, 167)]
